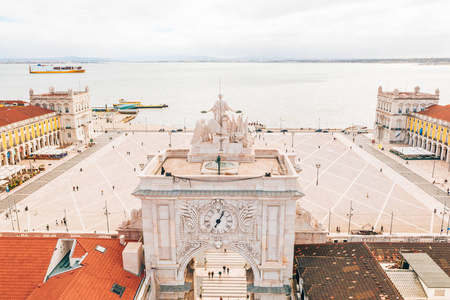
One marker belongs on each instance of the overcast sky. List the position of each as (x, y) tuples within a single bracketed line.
[(263, 29)]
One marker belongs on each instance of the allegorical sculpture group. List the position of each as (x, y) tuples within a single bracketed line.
[(223, 125)]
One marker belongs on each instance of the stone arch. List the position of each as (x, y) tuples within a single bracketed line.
[(21, 152), (438, 150), (3, 159), (187, 258), (10, 159), (444, 153), (16, 154)]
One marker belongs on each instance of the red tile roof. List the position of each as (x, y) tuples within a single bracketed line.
[(437, 111), (79, 251), (13, 114), (23, 264), (94, 280)]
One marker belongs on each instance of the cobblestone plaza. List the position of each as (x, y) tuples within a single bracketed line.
[(347, 173)]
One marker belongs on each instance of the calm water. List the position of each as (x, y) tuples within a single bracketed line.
[(292, 93)]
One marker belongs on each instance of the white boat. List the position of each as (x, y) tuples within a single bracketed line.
[(39, 68)]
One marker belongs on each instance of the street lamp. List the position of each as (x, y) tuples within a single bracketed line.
[(318, 167), (170, 138), (293, 133)]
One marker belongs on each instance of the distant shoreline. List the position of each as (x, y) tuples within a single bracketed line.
[(421, 61)]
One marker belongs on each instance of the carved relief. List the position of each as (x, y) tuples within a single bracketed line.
[(219, 222)]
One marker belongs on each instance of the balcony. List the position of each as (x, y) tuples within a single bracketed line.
[(68, 127)]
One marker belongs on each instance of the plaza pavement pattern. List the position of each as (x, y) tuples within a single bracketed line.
[(346, 175)]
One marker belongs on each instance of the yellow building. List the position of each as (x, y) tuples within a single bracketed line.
[(25, 129), (430, 130)]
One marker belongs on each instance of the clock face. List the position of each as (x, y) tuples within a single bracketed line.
[(218, 220)]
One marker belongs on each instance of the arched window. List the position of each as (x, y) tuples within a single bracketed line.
[(37, 104), (59, 108), (52, 107), (66, 107), (44, 105)]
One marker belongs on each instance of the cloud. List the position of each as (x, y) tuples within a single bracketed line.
[(255, 29)]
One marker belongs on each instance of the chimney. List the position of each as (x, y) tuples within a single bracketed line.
[(133, 257), (122, 239)]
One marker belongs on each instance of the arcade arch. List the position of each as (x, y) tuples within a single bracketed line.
[(184, 262)]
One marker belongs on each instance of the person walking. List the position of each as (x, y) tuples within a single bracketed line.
[(212, 274), (48, 227), (220, 274), (102, 192), (74, 189), (367, 195), (224, 268), (228, 270), (77, 188), (209, 274)]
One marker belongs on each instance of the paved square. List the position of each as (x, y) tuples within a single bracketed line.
[(346, 175)]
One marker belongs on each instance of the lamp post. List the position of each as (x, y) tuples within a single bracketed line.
[(434, 165), (318, 167), (443, 216), (170, 139), (293, 133), (350, 217), (107, 213), (9, 205)]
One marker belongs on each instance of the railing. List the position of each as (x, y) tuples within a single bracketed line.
[(68, 127)]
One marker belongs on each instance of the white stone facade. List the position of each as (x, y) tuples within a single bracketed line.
[(260, 213), (392, 111), (75, 112)]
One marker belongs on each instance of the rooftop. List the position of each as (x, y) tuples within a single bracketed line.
[(264, 171), (391, 252), (430, 273), (13, 102), (342, 271), (14, 114), (440, 112), (24, 262), (396, 94), (180, 166), (94, 280)]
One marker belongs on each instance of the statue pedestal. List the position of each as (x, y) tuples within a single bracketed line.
[(208, 151)]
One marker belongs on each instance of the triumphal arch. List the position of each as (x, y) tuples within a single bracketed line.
[(222, 193)]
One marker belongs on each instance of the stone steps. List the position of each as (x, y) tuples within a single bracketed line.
[(219, 259), (231, 286)]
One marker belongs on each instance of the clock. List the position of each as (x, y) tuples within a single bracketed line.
[(217, 217), (218, 220)]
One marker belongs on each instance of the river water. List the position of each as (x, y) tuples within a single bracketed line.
[(275, 94)]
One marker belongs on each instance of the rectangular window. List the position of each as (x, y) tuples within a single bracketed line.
[(399, 110), (414, 109), (407, 110), (67, 110)]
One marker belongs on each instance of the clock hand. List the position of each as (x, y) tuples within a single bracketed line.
[(218, 220)]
